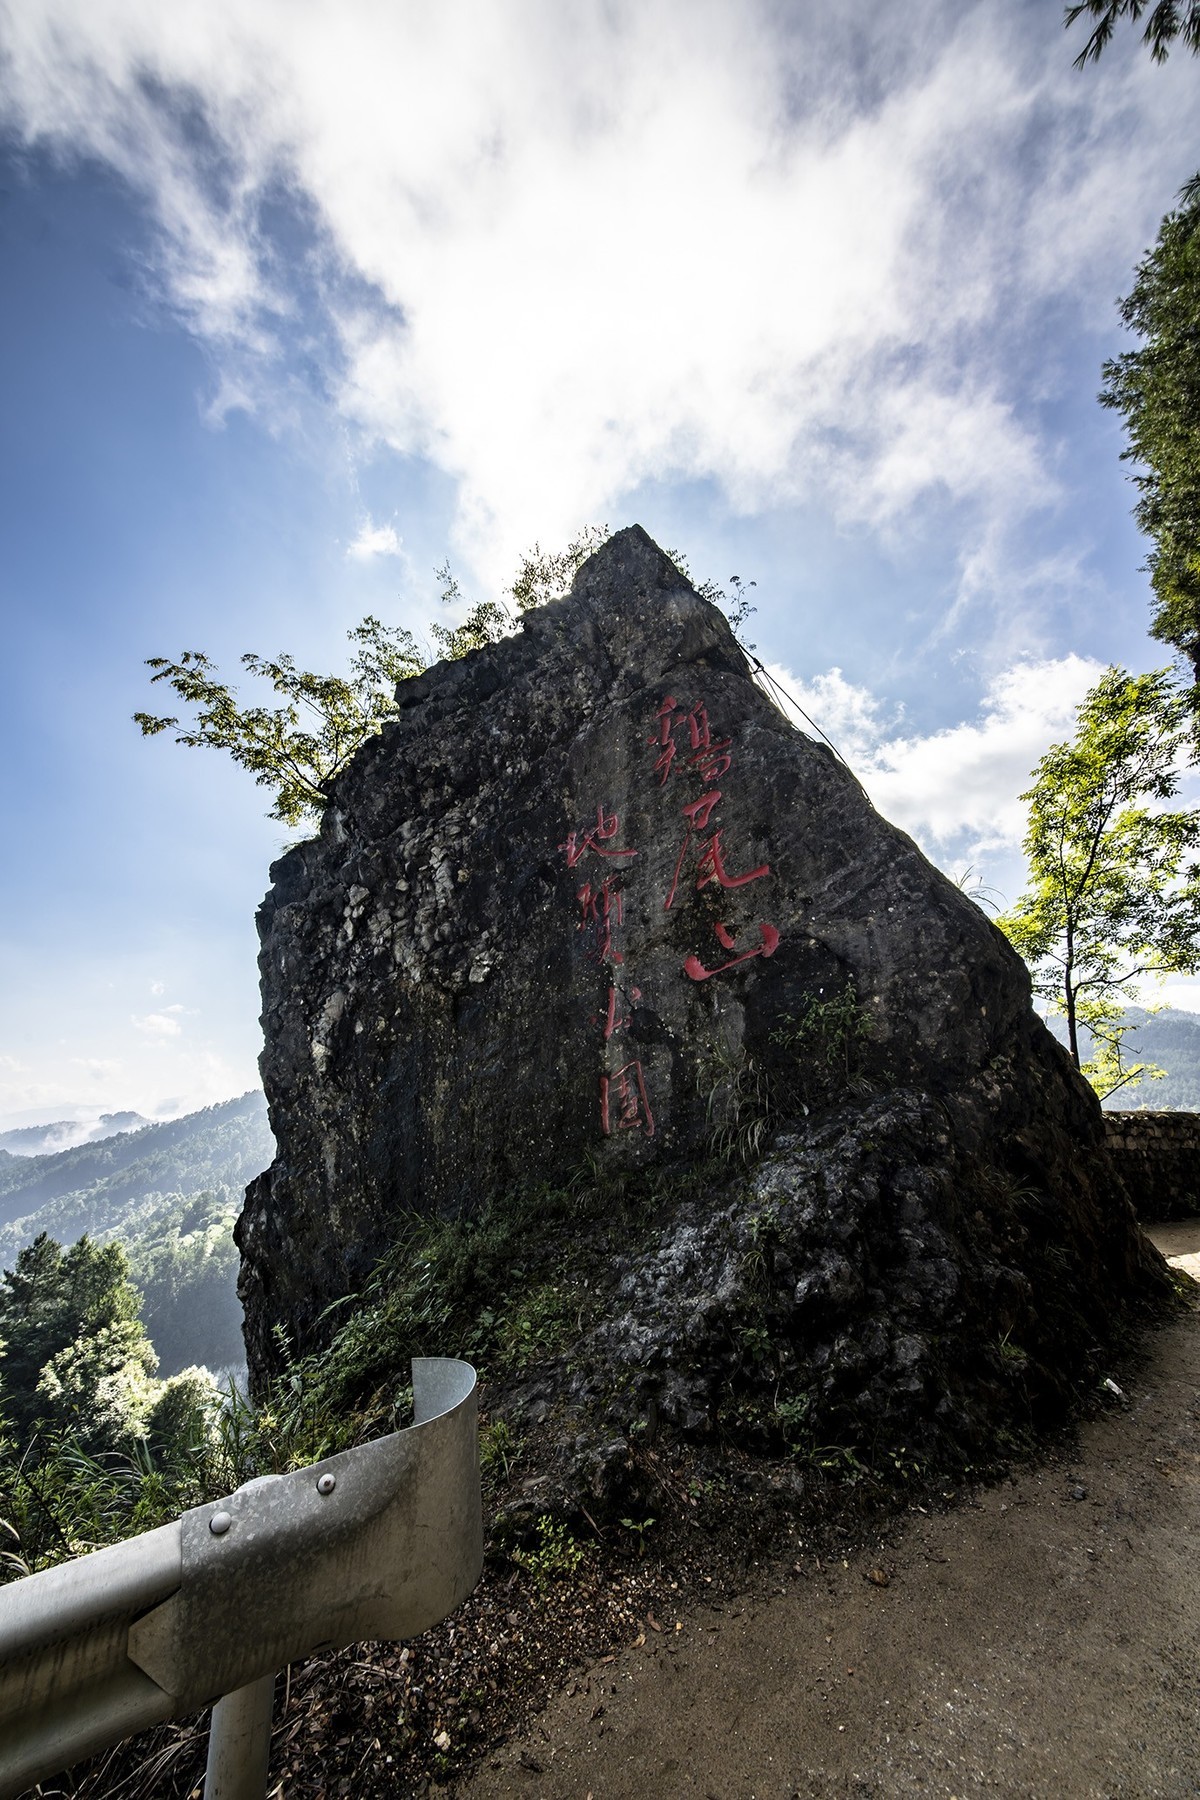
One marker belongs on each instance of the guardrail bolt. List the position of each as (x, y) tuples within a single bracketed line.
[(326, 1484), (219, 1523)]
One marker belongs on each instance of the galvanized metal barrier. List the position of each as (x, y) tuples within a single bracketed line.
[(378, 1542)]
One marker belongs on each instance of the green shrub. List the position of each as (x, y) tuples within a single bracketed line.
[(558, 1558)]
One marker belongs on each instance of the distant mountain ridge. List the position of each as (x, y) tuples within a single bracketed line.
[(170, 1192), (218, 1144), (1171, 1039)]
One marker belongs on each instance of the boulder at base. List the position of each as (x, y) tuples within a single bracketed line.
[(591, 902)]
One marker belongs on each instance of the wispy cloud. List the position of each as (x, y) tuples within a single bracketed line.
[(372, 541), (809, 262), (97, 1068)]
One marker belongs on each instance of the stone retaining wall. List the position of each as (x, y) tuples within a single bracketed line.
[(1158, 1154)]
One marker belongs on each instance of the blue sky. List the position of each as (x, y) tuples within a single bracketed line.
[(299, 301)]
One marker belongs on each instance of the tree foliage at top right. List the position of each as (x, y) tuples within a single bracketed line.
[(1156, 388), (1168, 20)]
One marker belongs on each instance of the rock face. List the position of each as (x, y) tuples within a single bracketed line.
[(592, 896)]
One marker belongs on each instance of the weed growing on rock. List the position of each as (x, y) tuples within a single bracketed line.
[(557, 1557), (815, 1061), (639, 1527), (499, 1448), (821, 1043), (738, 1105)]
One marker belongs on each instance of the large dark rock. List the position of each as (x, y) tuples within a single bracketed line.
[(581, 899)]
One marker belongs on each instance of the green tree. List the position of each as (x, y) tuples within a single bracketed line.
[(1113, 896), (298, 748), (70, 1340), (544, 575), (1156, 388), (182, 1414), (99, 1388), (1168, 20)]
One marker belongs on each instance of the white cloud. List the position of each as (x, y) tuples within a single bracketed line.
[(373, 540), (957, 790), (158, 988), (163, 1024), (851, 718), (560, 250)]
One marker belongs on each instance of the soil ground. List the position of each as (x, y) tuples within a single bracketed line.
[(1040, 1639)]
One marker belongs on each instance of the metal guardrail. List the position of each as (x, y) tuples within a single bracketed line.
[(377, 1542)]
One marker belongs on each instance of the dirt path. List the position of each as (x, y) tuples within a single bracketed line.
[(1042, 1641)]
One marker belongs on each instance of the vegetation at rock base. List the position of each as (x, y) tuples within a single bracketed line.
[(814, 1055), (556, 1592), (1114, 890), (92, 1448)]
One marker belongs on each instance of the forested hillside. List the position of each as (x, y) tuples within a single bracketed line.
[(227, 1143), (1172, 1040), (170, 1193)]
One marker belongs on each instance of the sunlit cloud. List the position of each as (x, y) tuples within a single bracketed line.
[(807, 265)]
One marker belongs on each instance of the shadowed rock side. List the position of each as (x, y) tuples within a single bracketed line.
[(579, 901)]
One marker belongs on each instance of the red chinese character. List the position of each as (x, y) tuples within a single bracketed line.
[(711, 756), (624, 1105), (613, 1020), (697, 816), (602, 908), (700, 811), (606, 827), (711, 862), (713, 764), (712, 867), (663, 741), (769, 945)]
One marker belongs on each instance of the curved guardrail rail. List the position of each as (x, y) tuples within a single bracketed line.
[(378, 1542)]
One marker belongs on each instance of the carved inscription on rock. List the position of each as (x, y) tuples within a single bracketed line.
[(610, 886)]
